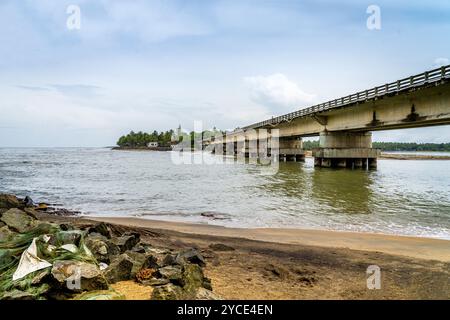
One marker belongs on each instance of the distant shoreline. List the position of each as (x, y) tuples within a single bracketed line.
[(142, 148), (405, 156)]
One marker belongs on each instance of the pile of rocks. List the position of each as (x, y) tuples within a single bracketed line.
[(112, 258)]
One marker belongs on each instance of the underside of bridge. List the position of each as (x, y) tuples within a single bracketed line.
[(344, 125)]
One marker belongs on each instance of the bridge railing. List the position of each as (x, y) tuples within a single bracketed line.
[(418, 80)]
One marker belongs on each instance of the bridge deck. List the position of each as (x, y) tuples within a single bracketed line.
[(433, 77)]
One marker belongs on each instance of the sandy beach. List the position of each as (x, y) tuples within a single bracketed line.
[(300, 264)]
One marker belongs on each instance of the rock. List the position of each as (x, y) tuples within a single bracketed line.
[(77, 276), (193, 279), (205, 294), (102, 249), (101, 228), (101, 295), (2, 224), (66, 237), (168, 292), (150, 262), (41, 276), (28, 202), (31, 212), (173, 273), (138, 248), (66, 227), (220, 247), (6, 234), (168, 260), (17, 295), (17, 220), (192, 256), (120, 269), (9, 201), (154, 282), (127, 241)]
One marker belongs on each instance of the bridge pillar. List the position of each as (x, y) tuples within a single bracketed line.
[(291, 149), (343, 149)]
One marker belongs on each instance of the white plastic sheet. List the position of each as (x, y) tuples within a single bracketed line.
[(30, 262)]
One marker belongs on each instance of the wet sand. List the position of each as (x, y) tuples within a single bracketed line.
[(297, 264), (415, 247)]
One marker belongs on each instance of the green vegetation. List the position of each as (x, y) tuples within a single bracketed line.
[(165, 139), (394, 146), (401, 146), (142, 139)]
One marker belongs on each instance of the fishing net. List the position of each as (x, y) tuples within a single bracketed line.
[(49, 244)]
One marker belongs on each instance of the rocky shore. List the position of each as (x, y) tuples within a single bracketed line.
[(135, 259), (83, 261)]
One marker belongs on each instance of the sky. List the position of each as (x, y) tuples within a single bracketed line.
[(155, 64)]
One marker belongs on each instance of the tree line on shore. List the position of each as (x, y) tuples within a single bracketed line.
[(164, 138)]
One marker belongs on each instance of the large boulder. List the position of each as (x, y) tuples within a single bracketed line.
[(102, 248), (120, 269), (190, 256), (193, 279), (66, 237), (101, 228), (172, 273), (17, 220), (77, 276), (168, 292), (9, 201), (141, 261), (127, 241)]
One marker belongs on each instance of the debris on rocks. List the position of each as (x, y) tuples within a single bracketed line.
[(41, 260)]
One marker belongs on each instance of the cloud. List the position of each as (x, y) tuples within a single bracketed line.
[(277, 92), (33, 88), (77, 90), (440, 62)]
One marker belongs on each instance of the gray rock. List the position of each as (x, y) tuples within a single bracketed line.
[(9, 201), (168, 260), (31, 212), (102, 248), (101, 228), (127, 241), (77, 276), (191, 256), (173, 273), (17, 220), (120, 269), (205, 294), (168, 292), (154, 282), (66, 237)]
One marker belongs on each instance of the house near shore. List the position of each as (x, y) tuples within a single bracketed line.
[(152, 144)]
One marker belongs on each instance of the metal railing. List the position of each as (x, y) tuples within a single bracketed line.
[(418, 80)]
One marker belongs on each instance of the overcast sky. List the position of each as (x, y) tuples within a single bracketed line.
[(145, 65)]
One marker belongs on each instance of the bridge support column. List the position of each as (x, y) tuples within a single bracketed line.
[(346, 150), (291, 149)]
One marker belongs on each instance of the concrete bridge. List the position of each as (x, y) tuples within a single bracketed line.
[(345, 124)]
